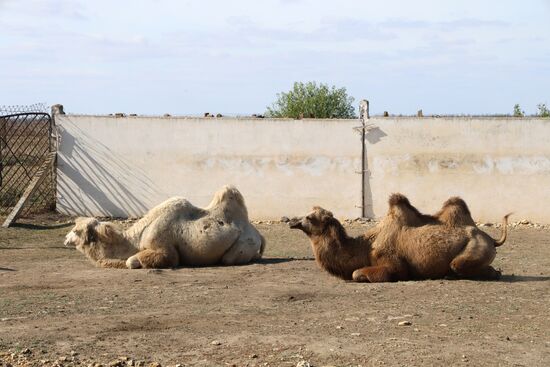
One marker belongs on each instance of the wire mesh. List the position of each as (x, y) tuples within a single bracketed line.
[(15, 109), (25, 142)]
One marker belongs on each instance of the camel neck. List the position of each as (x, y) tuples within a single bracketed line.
[(339, 253), (121, 239)]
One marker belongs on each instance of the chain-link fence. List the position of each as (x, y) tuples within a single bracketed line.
[(26, 149)]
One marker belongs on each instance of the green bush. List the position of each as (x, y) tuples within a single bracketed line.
[(310, 100), (517, 111), (543, 110)]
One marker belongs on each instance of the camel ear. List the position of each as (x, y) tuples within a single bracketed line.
[(326, 215)]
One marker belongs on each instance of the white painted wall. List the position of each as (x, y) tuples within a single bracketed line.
[(122, 167), (497, 165)]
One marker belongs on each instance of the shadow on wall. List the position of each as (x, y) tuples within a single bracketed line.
[(86, 165), (373, 136)]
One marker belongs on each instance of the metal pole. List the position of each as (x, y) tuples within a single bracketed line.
[(2, 129), (57, 109), (363, 116)]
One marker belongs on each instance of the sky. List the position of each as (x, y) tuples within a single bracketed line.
[(233, 57)]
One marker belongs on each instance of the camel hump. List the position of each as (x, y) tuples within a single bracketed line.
[(228, 194), (456, 201), (398, 199)]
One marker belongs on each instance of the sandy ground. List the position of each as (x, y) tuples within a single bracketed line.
[(57, 309)]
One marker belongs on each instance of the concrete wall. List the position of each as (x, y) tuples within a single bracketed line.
[(111, 166), (497, 165), (123, 166)]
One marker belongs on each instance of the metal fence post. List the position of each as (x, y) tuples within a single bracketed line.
[(57, 109), (363, 116)]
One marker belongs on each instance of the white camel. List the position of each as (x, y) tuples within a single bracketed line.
[(174, 233)]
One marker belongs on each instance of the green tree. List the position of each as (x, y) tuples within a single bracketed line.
[(313, 101), (543, 110), (517, 111)]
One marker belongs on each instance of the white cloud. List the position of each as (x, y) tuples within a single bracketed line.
[(190, 55)]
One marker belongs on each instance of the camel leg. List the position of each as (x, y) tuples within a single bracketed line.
[(475, 260), (242, 252), (372, 274), (474, 269), (154, 259), (235, 256), (489, 273), (133, 262), (112, 263), (380, 273), (385, 270)]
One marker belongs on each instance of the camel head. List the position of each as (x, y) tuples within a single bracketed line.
[(315, 223), (86, 232), (83, 233)]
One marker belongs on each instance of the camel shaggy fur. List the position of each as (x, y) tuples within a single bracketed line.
[(334, 250), (101, 242), (174, 233), (454, 212), (404, 245)]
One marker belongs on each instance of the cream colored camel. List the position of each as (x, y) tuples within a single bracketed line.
[(174, 233)]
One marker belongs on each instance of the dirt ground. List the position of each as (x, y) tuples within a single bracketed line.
[(57, 309)]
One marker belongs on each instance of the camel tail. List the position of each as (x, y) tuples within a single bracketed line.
[(504, 231)]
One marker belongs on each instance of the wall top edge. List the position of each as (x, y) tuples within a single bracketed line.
[(373, 118), (175, 117)]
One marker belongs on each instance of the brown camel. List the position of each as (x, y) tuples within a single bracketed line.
[(404, 245)]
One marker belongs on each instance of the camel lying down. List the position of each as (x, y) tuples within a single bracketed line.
[(404, 245), (174, 233)]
